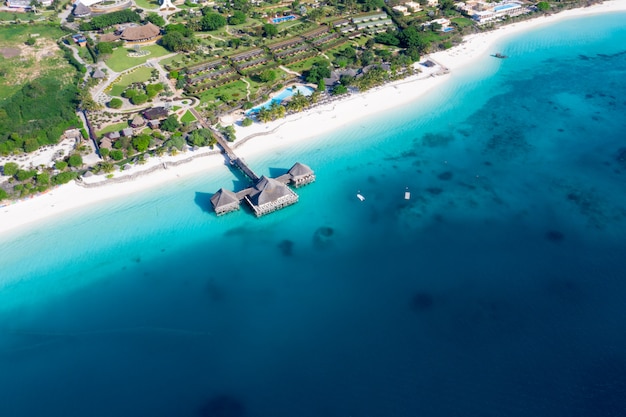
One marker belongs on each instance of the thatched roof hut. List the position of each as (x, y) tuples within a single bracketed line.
[(155, 113), (109, 37), (142, 33), (137, 121), (301, 174), (98, 73), (80, 10), (224, 201), (270, 196)]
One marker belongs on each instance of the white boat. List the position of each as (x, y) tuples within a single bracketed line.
[(407, 194), (360, 196)]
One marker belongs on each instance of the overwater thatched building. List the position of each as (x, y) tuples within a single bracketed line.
[(224, 201), (269, 195), (301, 175)]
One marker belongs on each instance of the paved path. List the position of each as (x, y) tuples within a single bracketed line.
[(288, 71)]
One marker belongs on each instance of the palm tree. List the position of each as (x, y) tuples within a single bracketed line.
[(264, 115)]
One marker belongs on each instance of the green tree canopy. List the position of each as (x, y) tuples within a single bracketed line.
[(171, 124), (139, 99), (179, 27), (104, 48), (117, 154), (10, 169), (543, 6), (115, 103), (318, 71), (176, 42), (63, 177), (270, 30), (110, 19), (141, 143), (267, 76), (75, 160), (237, 18), (212, 21), (155, 19)]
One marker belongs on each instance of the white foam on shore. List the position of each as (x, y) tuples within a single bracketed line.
[(294, 128)]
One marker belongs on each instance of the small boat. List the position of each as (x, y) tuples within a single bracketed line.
[(360, 196), (499, 55), (407, 194)]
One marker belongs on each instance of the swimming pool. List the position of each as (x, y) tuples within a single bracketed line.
[(281, 96), (506, 6), (283, 19), (448, 29)]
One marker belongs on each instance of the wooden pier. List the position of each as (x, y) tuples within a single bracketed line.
[(266, 195)]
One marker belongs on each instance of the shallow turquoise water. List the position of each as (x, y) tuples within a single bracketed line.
[(498, 289)]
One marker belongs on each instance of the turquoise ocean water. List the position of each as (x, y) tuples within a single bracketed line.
[(499, 289)]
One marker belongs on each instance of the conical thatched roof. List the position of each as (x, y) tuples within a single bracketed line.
[(98, 73), (138, 33), (269, 190), (300, 170), (81, 10), (223, 198), (137, 121)]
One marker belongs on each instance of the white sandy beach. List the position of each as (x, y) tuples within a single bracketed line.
[(294, 128)]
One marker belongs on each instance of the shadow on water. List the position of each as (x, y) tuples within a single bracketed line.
[(277, 172), (241, 183), (203, 200)]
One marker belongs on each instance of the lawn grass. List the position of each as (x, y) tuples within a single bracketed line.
[(305, 65), (462, 21), (188, 117), (120, 61), (232, 91), (19, 33), (141, 74), (147, 4), (21, 17), (168, 61), (112, 128)]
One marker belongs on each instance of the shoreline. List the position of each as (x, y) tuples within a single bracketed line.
[(294, 128)]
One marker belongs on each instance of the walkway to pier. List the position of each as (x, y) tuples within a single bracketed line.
[(230, 155)]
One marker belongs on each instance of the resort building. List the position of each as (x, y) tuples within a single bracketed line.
[(145, 33), (224, 201), (80, 10), (403, 10), (106, 143), (19, 4), (79, 39), (98, 74), (155, 113), (443, 22), (413, 6), (301, 175), (368, 18), (137, 121), (375, 25), (483, 12), (269, 195)]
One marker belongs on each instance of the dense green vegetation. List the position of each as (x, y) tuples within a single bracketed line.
[(110, 19), (28, 121)]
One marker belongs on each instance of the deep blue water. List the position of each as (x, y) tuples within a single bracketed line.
[(499, 289)]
